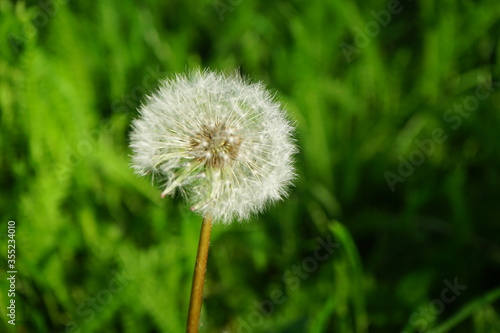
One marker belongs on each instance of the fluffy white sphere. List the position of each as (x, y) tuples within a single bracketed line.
[(222, 142)]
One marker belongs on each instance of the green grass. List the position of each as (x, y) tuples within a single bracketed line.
[(99, 251)]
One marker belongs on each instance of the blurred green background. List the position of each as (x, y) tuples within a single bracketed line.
[(398, 123)]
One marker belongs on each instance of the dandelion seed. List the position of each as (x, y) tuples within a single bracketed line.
[(222, 142)]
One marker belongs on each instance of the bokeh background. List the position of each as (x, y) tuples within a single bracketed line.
[(398, 123)]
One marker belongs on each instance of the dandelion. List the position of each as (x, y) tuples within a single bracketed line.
[(224, 144)]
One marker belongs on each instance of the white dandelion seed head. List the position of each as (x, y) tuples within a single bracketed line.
[(225, 144)]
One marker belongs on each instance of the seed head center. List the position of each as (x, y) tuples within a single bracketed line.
[(215, 145)]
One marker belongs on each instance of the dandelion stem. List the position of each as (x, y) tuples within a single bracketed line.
[(200, 268)]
